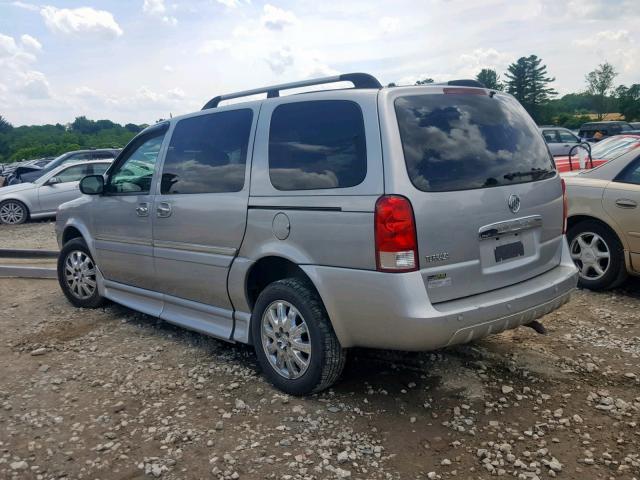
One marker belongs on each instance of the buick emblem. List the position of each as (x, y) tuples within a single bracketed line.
[(514, 203)]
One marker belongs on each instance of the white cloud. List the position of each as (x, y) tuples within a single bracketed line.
[(81, 21), (26, 6), (470, 63), (280, 60), (31, 42), (19, 78), (604, 36), (157, 8), (8, 46), (275, 18), (229, 3), (154, 7), (389, 24), (35, 85), (167, 68)]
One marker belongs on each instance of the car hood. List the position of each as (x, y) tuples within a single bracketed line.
[(15, 188)]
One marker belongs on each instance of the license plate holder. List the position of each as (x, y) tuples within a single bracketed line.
[(509, 251)]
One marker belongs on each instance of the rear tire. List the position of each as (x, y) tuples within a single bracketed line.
[(294, 341), (77, 275), (13, 212), (598, 254)]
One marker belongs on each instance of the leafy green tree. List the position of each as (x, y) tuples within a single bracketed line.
[(35, 141), (599, 83), (528, 81), (425, 81), (629, 101), (5, 126), (490, 79)]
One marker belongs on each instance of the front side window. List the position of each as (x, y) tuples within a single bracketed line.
[(98, 168), (103, 155), (73, 174), (567, 137), (134, 173), (317, 145), (208, 154), (461, 141), (550, 136)]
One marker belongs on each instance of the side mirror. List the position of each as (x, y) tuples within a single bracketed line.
[(53, 181), (92, 185)]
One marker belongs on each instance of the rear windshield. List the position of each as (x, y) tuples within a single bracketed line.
[(466, 141)]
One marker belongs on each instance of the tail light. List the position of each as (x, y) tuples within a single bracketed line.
[(395, 231), (565, 206)]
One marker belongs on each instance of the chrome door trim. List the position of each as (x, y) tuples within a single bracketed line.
[(119, 239), (510, 226), (194, 247)]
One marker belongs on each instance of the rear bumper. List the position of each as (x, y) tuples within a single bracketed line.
[(386, 310)]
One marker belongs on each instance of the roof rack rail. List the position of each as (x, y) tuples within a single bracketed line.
[(359, 80)]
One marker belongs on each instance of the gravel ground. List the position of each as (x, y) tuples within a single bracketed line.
[(113, 394), (37, 234)]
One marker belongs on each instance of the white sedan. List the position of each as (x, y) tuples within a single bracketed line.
[(40, 199)]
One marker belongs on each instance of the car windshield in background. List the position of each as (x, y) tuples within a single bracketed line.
[(463, 141), (614, 147)]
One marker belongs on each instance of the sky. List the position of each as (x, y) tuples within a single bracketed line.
[(141, 60)]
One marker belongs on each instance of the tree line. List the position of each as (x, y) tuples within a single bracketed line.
[(527, 80), (38, 141)]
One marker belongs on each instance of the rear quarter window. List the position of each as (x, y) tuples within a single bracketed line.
[(468, 141), (317, 145)]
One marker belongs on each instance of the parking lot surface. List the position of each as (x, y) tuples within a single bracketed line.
[(114, 394)]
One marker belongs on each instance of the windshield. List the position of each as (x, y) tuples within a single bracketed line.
[(614, 147), (467, 141)]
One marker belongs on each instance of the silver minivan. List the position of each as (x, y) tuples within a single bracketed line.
[(407, 218)]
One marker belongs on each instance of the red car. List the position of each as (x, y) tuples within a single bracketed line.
[(602, 152)]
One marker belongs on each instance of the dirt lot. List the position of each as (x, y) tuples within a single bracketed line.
[(113, 394)]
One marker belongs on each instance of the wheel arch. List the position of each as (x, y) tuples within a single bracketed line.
[(270, 269), (576, 219)]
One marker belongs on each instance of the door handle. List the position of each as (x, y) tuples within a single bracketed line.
[(142, 210), (626, 203), (163, 210)]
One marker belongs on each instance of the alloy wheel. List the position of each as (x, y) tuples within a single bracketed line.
[(80, 274), (591, 254), (12, 213), (285, 339)]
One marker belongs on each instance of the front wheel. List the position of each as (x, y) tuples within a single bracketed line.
[(294, 341), (77, 275)]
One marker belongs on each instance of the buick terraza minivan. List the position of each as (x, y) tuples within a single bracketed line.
[(407, 218)]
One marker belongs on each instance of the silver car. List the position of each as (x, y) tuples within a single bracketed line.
[(405, 218), (42, 197), (560, 140)]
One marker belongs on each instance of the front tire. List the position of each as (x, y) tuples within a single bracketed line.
[(77, 275), (294, 341), (13, 212), (598, 254)]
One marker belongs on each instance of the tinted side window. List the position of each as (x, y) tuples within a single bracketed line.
[(208, 154), (317, 145)]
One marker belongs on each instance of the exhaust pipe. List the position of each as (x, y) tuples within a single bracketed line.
[(537, 326)]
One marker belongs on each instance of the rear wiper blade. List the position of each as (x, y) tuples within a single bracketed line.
[(532, 173)]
